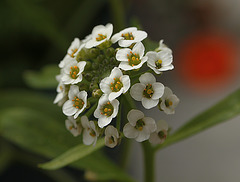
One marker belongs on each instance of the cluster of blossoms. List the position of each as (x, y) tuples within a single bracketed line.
[(101, 70)]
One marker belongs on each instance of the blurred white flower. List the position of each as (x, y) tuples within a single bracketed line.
[(99, 35), (131, 59), (77, 102), (111, 136), (90, 133), (169, 101), (106, 110), (148, 90), (159, 61), (129, 36), (72, 71), (74, 127), (61, 90), (115, 84), (139, 127), (163, 47), (159, 136)]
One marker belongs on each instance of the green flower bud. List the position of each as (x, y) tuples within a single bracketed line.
[(105, 44), (95, 66), (93, 53), (100, 58), (88, 76), (93, 86), (110, 52), (97, 93), (88, 66)]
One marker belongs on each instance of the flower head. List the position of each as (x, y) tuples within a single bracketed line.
[(159, 61), (159, 136), (111, 136), (131, 58), (90, 132), (169, 101), (77, 102), (139, 127), (148, 90), (72, 71), (106, 110), (115, 84), (99, 35), (129, 36), (74, 127)]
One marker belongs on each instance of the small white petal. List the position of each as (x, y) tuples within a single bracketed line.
[(158, 90), (150, 124), (104, 121), (114, 95), (84, 122), (68, 108), (129, 131), (116, 73), (147, 78), (74, 90), (134, 115), (139, 49), (143, 135), (126, 83), (87, 138), (121, 54), (149, 103), (136, 91)]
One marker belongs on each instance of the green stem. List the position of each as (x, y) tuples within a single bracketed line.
[(149, 164), (90, 111)]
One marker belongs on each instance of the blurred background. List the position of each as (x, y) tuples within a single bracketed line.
[(204, 37)]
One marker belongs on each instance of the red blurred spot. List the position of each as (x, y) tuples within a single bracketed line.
[(207, 61)]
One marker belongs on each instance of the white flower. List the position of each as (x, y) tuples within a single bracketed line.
[(106, 110), (61, 90), (72, 51), (129, 36), (148, 90), (159, 136), (139, 127), (72, 71), (77, 102), (131, 59), (115, 84), (74, 127), (90, 132), (160, 61), (99, 35), (111, 136), (163, 47), (169, 101)]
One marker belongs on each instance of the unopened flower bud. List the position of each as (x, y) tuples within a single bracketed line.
[(88, 76), (95, 66), (100, 58), (110, 52), (93, 86), (93, 53), (97, 93)]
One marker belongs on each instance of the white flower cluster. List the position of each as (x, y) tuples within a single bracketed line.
[(98, 71)]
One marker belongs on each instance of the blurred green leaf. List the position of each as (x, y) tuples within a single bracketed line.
[(39, 19), (43, 79), (72, 155), (31, 121), (150, 45), (226, 109)]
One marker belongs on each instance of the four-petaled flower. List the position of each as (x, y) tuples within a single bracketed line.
[(115, 84), (131, 59), (160, 61), (99, 35), (72, 71), (106, 110), (77, 102), (139, 127), (148, 90), (159, 136), (111, 136), (128, 36), (169, 101), (90, 132), (61, 90), (72, 125)]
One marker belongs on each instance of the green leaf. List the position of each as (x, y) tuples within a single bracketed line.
[(150, 45), (33, 122), (43, 79), (72, 155), (226, 109)]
